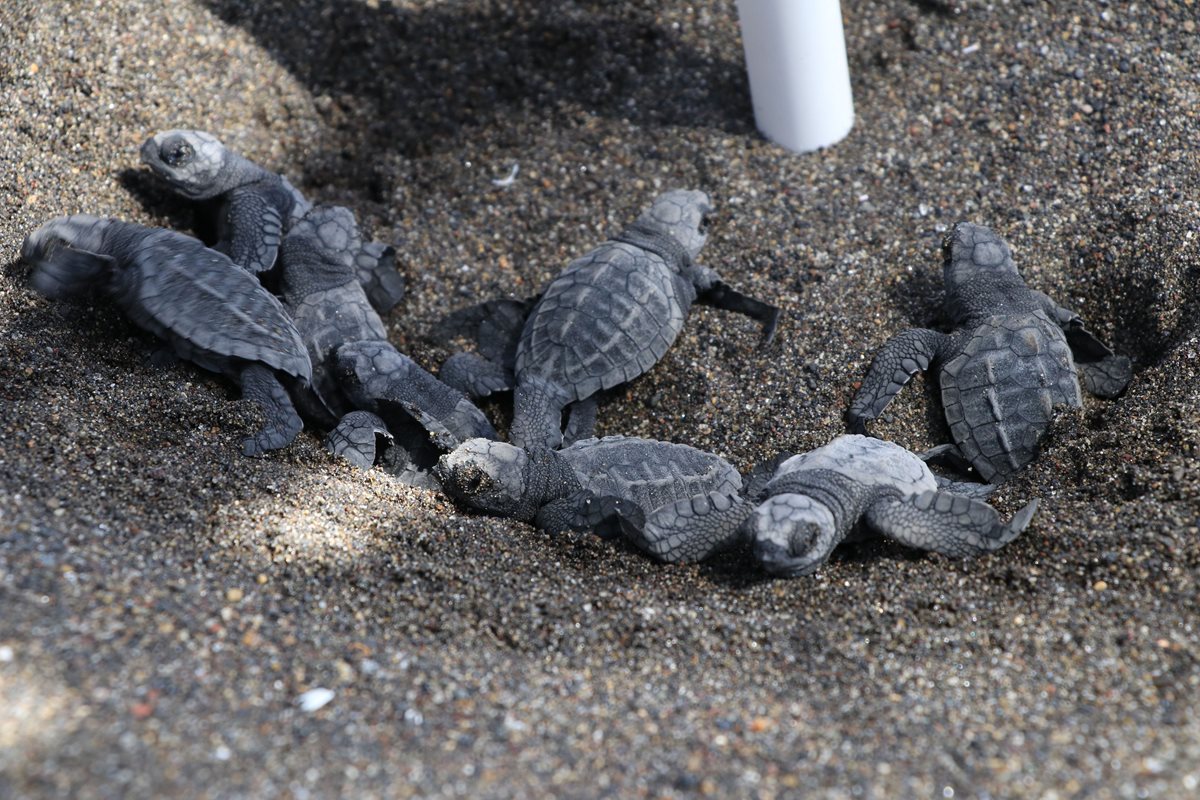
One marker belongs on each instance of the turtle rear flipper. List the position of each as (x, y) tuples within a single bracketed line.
[(356, 436), (690, 529), (494, 326), (581, 421), (474, 375), (948, 456), (1107, 377), (375, 268), (946, 523), (260, 386), (979, 491)]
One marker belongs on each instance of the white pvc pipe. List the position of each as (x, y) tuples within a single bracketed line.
[(799, 79)]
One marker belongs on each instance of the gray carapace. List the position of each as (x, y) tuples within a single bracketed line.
[(362, 387), (1011, 359), (606, 319), (587, 484), (208, 309)]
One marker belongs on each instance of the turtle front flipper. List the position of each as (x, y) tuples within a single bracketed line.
[(375, 269), (903, 356), (719, 294), (65, 257), (583, 510), (760, 475), (474, 375), (537, 413), (355, 438), (375, 374), (946, 523), (251, 229), (260, 386), (1105, 374), (690, 529)]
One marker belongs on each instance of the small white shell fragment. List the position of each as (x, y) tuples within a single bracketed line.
[(510, 178), (314, 699)]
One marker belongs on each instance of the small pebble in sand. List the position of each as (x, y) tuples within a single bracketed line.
[(314, 699)]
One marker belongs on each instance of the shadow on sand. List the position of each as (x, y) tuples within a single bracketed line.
[(420, 77)]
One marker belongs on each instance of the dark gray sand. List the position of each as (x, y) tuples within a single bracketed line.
[(164, 602)]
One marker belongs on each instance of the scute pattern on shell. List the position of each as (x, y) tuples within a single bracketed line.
[(326, 320), (207, 307), (867, 460), (650, 473), (609, 317), (1000, 390)]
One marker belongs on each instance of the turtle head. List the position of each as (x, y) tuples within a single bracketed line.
[(970, 251), (487, 475), (318, 252), (68, 255), (191, 161), (793, 534), (683, 215)]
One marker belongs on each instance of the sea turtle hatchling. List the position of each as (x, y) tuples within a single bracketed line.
[(1010, 361), (811, 502), (591, 483), (357, 374), (606, 319), (256, 207), (207, 308)]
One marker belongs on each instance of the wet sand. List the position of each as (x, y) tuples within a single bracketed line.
[(165, 602)]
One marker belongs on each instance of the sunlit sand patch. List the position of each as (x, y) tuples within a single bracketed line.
[(324, 519), (35, 713)]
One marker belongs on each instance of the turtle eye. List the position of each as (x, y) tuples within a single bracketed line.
[(703, 227), (178, 153)]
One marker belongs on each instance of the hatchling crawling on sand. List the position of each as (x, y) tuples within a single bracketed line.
[(357, 374), (680, 504), (606, 319), (210, 310), (814, 501), (255, 207), (1010, 361), (588, 484)]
